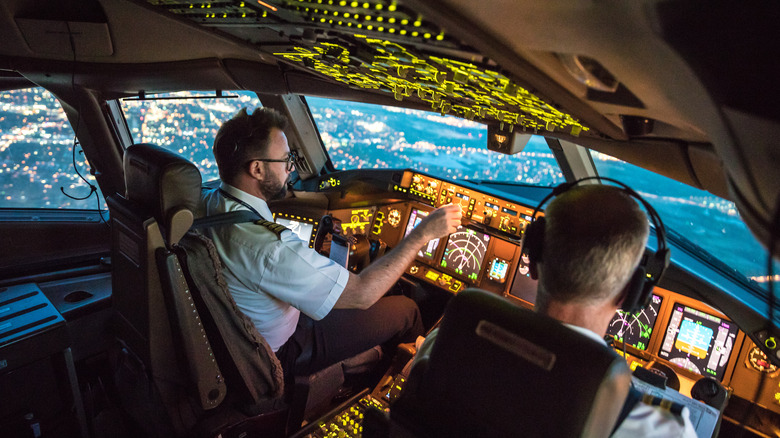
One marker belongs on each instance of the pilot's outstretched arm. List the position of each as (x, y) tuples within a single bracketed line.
[(364, 289)]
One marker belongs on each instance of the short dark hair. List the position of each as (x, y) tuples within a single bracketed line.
[(594, 238), (243, 137)]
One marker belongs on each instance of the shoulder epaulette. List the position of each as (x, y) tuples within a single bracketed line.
[(272, 227), (667, 405)]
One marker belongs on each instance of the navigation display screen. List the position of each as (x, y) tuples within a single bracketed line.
[(698, 341), (302, 229), (635, 329), (415, 218), (465, 252)]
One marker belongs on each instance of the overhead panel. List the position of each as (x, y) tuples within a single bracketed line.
[(385, 47)]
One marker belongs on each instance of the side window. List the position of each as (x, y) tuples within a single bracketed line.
[(185, 123), (37, 155)]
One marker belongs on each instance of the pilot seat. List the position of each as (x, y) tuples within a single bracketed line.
[(496, 369), (188, 361)]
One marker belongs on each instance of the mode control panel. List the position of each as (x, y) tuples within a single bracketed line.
[(493, 212)]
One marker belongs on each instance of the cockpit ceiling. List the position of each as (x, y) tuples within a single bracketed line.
[(383, 46)]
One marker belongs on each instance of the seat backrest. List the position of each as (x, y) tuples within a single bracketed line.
[(151, 298), (497, 369)]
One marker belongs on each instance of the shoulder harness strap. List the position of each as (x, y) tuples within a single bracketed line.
[(634, 396), (231, 217)]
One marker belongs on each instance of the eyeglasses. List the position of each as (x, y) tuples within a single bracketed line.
[(292, 156)]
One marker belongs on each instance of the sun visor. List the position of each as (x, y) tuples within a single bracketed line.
[(54, 37)]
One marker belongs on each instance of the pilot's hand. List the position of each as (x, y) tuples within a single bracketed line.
[(441, 222)]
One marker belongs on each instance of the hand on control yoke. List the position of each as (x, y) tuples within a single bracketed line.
[(441, 222)]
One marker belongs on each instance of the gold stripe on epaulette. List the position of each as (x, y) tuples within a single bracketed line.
[(272, 227), (662, 403)]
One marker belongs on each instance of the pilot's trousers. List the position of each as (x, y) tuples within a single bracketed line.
[(344, 333)]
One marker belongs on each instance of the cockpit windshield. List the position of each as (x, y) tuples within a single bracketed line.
[(365, 136), (708, 221)]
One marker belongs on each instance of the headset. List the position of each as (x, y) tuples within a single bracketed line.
[(652, 265)]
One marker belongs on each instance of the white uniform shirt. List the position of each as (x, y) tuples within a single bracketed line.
[(647, 421), (271, 278)]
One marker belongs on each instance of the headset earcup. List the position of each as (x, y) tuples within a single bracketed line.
[(635, 298), (533, 239)]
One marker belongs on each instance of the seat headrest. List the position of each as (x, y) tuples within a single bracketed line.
[(165, 184), (496, 368)]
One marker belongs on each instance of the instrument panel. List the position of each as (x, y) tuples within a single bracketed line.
[(674, 331)]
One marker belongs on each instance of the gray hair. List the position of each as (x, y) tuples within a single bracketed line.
[(594, 238)]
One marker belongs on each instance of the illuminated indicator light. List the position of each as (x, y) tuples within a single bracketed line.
[(326, 12), (265, 14), (380, 19), (404, 21), (402, 32), (243, 15), (349, 24), (392, 7), (432, 275), (391, 20), (191, 6), (427, 35), (440, 37), (359, 26), (391, 30), (322, 20), (262, 3), (241, 5), (340, 23), (381, 29), (368, 18), (415, 33), (366, 5), (224, 15), (417, 23), (354, 4), (208, 6), (369, 27), (379, 6), (346, 14)]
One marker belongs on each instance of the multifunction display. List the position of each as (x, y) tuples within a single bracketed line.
[(698, 341), (429, 250), (635, 329), (465, 252), (303, 227)]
